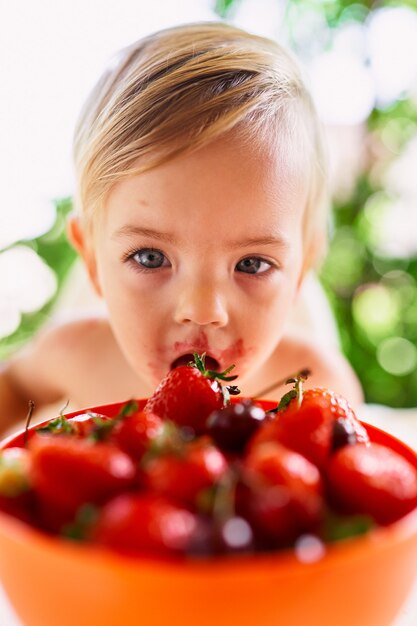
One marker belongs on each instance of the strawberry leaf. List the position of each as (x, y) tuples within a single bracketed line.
[(129, 408), (336, 528), (103, 428), (286, 399), (296, 392), (199, 363), (85, 518), (57, 426)]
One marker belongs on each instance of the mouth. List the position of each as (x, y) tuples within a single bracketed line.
[(210, 362)]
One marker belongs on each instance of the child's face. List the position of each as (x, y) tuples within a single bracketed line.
[(202, 254)]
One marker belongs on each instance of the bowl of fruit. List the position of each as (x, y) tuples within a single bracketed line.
[(196, 505)]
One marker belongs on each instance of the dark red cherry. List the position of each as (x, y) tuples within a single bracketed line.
[(232, 426), (232, 535), (343, 434)]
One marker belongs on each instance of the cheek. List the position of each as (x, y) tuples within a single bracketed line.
[(270, 304), (121, 284), (135, 302)]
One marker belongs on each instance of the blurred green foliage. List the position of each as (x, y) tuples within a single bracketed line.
[(372, 292), (223, 7), (374, 295), (54, 248)]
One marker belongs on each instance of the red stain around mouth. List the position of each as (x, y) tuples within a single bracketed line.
[(228, 356), (233, 352), (200, 344)]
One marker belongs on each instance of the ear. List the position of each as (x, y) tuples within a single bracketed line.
[(313, 257), (78, 239)]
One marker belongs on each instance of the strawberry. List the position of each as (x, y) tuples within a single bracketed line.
[(90, 424), (183, 474), (189, 393), (281, 494), (314, 423), (374, 480), (144, 523), (67, 472), (86, 424), (82, 425), (134, 433)]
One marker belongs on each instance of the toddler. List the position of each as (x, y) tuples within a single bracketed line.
[(200, 205)]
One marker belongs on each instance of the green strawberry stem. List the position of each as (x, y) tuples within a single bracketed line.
[(199, 363), (227, 390), (129, 408), (58, 425), (103, 428), (296, 392), (283, 381)]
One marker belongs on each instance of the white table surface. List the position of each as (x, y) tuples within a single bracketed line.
[(401, 423)]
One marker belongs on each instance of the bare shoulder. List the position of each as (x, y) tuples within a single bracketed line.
[(48, 365), (328, 366)]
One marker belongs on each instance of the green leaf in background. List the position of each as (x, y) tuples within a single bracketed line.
[(55, 250), (224, 8)]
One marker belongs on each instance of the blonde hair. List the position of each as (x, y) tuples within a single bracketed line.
[(179, 89)]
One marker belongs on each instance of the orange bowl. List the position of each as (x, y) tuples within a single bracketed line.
[(362, 580)]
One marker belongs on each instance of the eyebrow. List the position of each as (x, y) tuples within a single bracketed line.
[(129, 229), (267, 240)]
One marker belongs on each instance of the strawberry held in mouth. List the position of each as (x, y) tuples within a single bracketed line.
[(218, 355), (210, 362), (190, 392)]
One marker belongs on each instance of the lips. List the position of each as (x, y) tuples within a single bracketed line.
[(210, 362)]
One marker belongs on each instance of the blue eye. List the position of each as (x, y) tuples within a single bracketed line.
[(150, 258), (253, 265)]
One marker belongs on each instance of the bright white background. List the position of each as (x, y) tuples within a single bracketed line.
[(52, 52)]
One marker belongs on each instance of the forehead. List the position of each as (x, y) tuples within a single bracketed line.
[(232, 182)]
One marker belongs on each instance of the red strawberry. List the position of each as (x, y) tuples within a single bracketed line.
[(82, 425), (283, 492), (144, 523), (313, 423), (184, 473), (90, 424), (68, 472), (134, 433), (87, 423), (373, 480), (188, 394)]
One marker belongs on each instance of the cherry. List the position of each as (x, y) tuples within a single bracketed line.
[(231, 535), (232, 426), (343, 434)]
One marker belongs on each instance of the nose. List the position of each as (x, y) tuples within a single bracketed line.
[(202, 304)]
